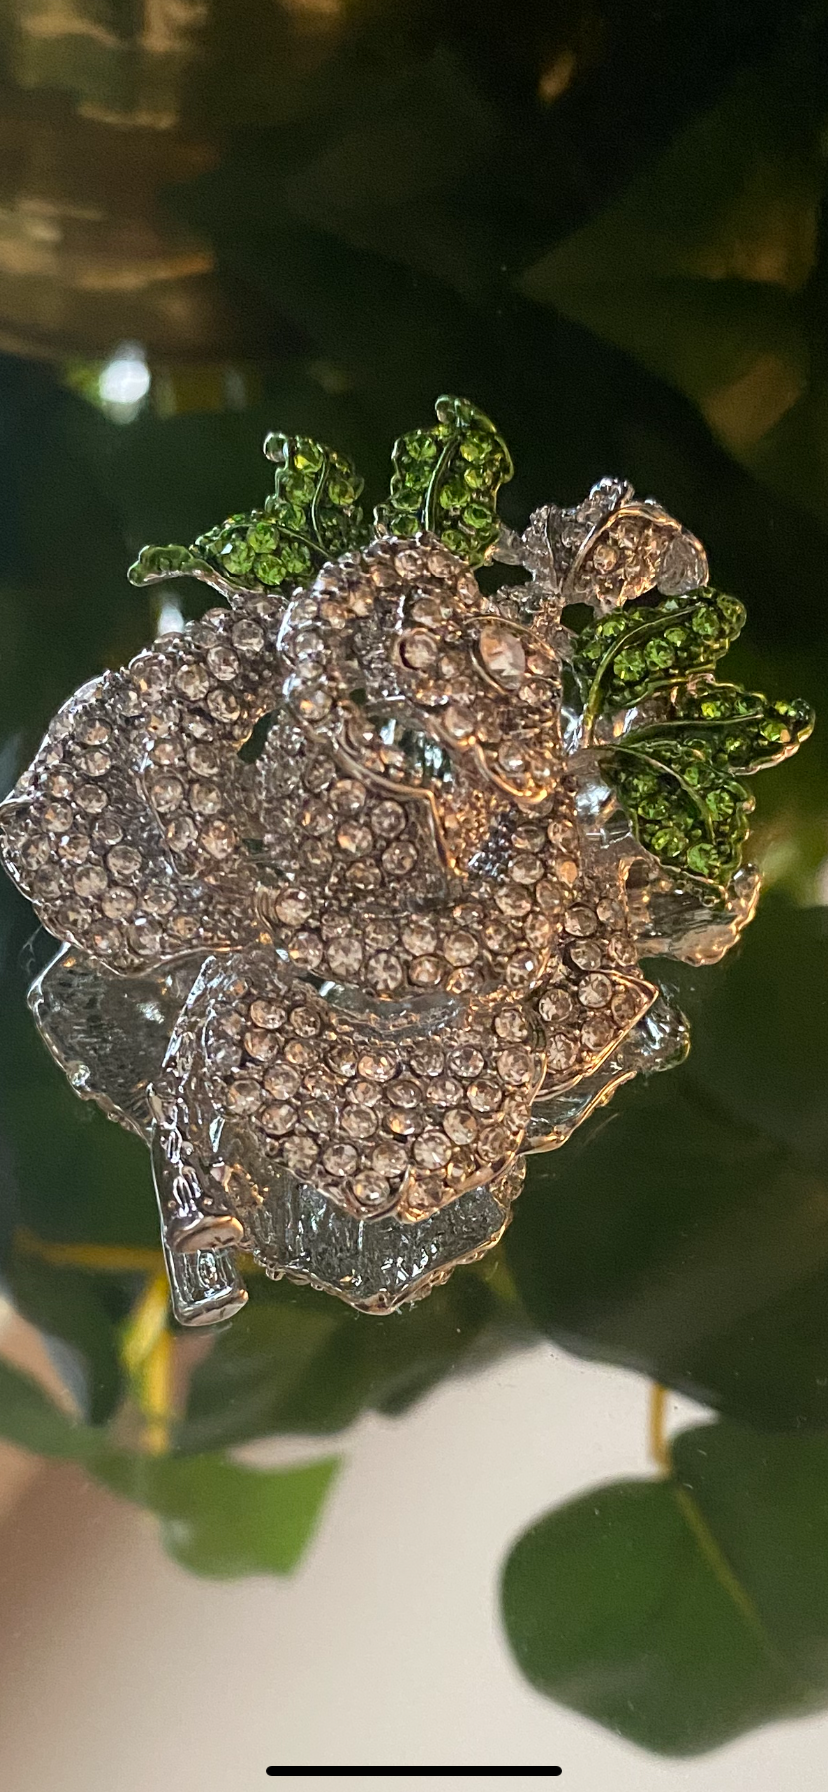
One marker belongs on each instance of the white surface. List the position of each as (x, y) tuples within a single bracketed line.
[(119, 1673)]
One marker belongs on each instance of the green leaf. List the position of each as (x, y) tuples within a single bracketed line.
[(446, 480), (218, 1517), (739, 731), (682, 1612), (683, 1234), (622, 658), (681, 808), (294, 1363), (311, 517)]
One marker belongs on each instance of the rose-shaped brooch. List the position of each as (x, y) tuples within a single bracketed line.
[(355, 873)]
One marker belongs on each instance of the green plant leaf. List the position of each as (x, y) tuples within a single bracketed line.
[(312, 516), (446, 480), (294, 1363), (683, 1234), (624, 657), (218, 1517), (682, 1612)]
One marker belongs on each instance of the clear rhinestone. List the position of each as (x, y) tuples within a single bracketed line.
[(157, 900), (494, 1143), (626, 1006), (580, 922), (223, 705), (75, 848), (384, 972), (278, 1118), (460, 948), (305, 1021), (340, 1160), (359, 1123), (514, 1065), (192, 682), (502, 654), (405, 1093), (223, 662), (597, 1033), (399, 859), (260, 1044), (585, 955), (419, 935), (91, 799), (432, 1150), (293, 908), (370, 1190), (219, 839), (511, 1024), (378, 1066), (181, 833), (57, 818), (282, 1081), (555, 1006), (247, 636), (300, 1154), (389, 1159), (355, 839), (244, 1096), (484, 1095), (265, 1012), (461, 1126), (466, 1062), (388, 819), (459, 723), (167, 793), (526, 869), (561, 1052), (205, 798), (118, 904), (343, 1061), (90, 881), (404, 1121), (345, 956), (418, 650), (425, 972), (348, 796)]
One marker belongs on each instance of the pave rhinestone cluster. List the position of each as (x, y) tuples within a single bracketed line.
[(396, 946)]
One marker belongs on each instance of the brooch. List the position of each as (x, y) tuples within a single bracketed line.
[(355, 875)]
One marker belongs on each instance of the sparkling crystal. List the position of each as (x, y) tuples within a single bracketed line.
[(460, 1125), (359, 1123), (378, 1066), (502, 654), (281, 1081), (90, 881), (278, 1118), (219, 839), (384, 972), (426, 972), (389, 1159), (345, 956), (387, 819), (340, 1160)]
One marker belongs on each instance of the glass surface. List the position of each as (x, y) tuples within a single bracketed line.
[(572, 1508)]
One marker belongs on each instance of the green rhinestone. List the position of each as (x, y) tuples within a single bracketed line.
[(236, 557), (420, 446), (271, 568), (629, 665), (478, 479), (297, 487), (453, 495), (477, 445), (307, 455), (453, 540), (658, 655), (703, 860), (261, 537), (668, 841), (341, 491), (476, 516)]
